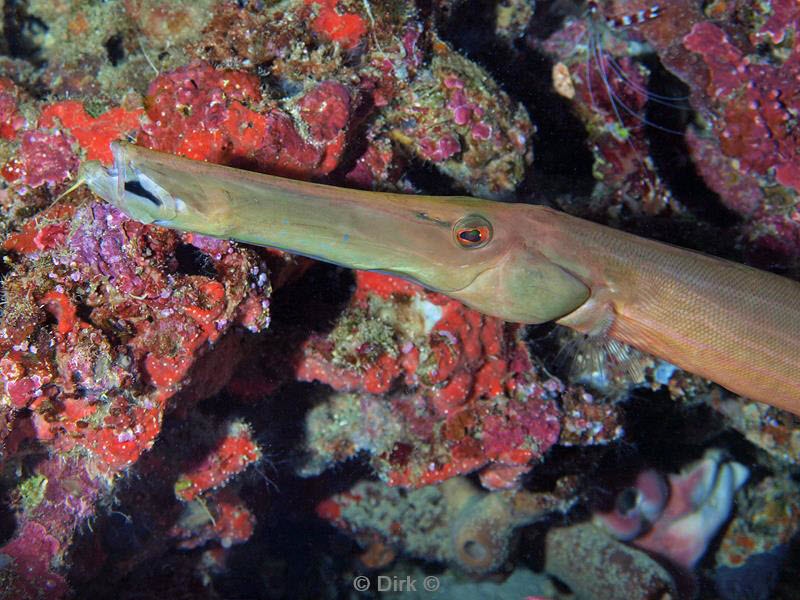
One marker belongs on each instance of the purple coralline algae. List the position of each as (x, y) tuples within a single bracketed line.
[(48, 157)]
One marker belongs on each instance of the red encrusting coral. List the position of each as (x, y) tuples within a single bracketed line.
[(36, 237), (84, 389), (345, 28), (222, 517), (232, 453), (202, 113), (49, 154), (94, 134), (210, 114)]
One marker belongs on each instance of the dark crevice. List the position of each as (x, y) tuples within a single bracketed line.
[(358, 141), (425, 176), (669, 151), (549, 17), (20, 31), (8, 521), (83, 312), (315, 300), (562, 163), (193, 261), (115, 49)]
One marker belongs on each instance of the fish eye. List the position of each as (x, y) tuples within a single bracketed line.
[(472, 231)]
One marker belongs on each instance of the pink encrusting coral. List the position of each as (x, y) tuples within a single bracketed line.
[(11, 120), (453, 115), (57, 498), (753, 104), (47, 156), (742, 76), (758, 102), (33, 550)]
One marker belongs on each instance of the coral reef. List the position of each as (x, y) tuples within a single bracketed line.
[(104, 329), (775, 432), (594, 68), (742, 75), (53, 502), (109, 324), (174, 409), (463, 123)]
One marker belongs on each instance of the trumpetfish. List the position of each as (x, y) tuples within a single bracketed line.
[(727, 322)]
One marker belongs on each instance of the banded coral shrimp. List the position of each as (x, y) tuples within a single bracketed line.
[(625, 98), (619, 82)]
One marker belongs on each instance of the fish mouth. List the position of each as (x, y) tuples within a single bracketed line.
[(136, 193)]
